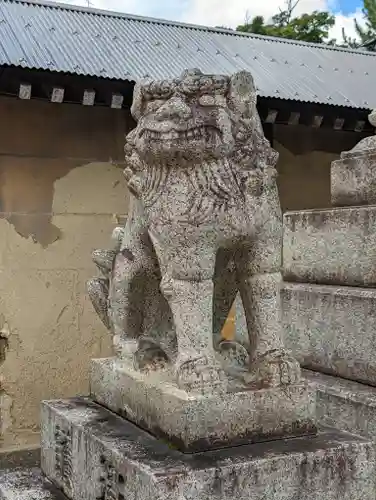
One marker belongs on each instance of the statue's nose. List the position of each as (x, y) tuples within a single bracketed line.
[(175, 107)]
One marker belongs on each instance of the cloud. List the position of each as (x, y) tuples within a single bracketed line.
[(220, 13), (169, 9), (346, 22), (234, 12)]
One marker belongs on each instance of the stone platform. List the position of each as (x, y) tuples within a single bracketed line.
[(196, 423), (331, 329), (27, 484), (92, 454), (347, 405), (333, 246)]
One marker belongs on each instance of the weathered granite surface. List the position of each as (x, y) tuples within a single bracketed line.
[(347, 405), (332, 246), (332, 329), (205, 222), (27, 484), (353, 176), (108, 457), (195, 423)]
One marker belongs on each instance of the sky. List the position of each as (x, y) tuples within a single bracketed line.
[(231, 12)]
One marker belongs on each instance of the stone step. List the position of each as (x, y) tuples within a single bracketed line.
[(27, 484), (353, 177), (20, 458), (333, 246), (93, 454), (331, 329), (347, 405)]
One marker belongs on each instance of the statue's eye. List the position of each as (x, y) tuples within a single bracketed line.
[(212, 100)]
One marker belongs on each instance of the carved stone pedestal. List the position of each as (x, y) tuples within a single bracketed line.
[(196, 423), (108, 458)]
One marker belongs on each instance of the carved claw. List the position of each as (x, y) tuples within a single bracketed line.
[(201, 375), (274, 369), (149, 356), (255, 183), (104, 259), (98, 292), (117, 236), (233, 354)]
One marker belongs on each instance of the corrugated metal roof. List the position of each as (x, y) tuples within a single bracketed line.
[(59, 37)]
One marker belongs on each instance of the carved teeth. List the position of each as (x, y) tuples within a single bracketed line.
[(203, 132)]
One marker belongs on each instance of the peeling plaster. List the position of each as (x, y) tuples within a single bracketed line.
[(4, 338), (6, 401), (6, 421), (26, 195)]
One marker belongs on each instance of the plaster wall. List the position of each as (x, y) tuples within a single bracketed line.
[(60, 197)]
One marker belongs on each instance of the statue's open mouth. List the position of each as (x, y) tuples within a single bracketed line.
[(205, 132)]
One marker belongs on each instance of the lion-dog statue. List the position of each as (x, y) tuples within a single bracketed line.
[(204, 224)]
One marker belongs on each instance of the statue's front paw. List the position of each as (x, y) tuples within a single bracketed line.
[(201, 375), (234, 355), (274, 369), (149, 356)]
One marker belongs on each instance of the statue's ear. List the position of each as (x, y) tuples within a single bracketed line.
[(136, 108), (372, 118), (242, 95)]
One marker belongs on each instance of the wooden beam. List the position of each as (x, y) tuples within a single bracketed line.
[(294, 118), (117, 101), (57, 95), (272, 116), (339, 123), (88, 98), (24, 91), (317, 121)]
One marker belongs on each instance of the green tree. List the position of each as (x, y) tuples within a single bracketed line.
[(313, 27), (367, 33)]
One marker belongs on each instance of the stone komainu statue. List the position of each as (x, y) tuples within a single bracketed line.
[(204, 224)]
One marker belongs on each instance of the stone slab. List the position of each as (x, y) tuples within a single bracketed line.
[(347, 405), (26, 458), (109, 457), (331, 329), (195, 422), (353, 180), (27, 484), (330, 247)]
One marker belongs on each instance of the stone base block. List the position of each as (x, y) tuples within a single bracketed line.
[(330, 247), (353, 179), (195, 422), (27, 484), (347, 405), (93, 454), (331, 329)]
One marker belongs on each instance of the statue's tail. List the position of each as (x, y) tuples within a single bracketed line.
[(98, 287)]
